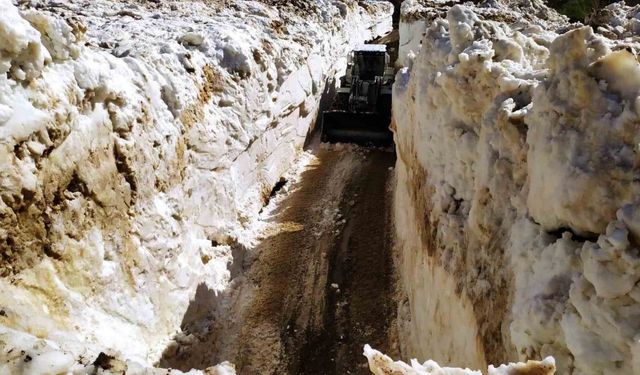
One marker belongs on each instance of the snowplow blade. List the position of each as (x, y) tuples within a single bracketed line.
[(369, 129)]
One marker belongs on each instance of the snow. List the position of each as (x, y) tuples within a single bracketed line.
[(516, 209), (418, 15), (616, 21), (26, 354), (545, 367), (371, 48), (23, 55), (138, 142), (620, 71), (381, 364)]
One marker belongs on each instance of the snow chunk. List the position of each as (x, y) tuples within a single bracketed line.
[(381, 364), (610, 265), (60, 39), (621, 71), (22, 55), (580, 140), (192, 39), (545, 367)]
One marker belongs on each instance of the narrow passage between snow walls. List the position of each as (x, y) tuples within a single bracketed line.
[(164, 210)]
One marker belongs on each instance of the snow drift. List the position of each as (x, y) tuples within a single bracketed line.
[(136, 142), (517, 209)]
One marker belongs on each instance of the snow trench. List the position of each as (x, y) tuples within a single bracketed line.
[(137, 141)]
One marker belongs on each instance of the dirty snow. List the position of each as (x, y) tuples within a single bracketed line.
[(516, 208), (140, 142), (381, 364), (137, 141)]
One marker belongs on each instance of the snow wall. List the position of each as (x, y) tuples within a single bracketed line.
[(517, 210), (137, 140)]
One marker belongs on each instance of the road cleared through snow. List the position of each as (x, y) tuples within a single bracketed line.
[(318, 286)]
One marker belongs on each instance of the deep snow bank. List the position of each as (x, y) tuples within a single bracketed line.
[(516, 207), (136, 142)]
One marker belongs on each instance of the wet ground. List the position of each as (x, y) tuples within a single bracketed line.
[(318, 286), (360, 309)]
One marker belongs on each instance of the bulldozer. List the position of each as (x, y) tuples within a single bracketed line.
[(361, 111)]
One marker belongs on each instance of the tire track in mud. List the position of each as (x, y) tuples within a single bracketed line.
[(360, 287), (299, 322)]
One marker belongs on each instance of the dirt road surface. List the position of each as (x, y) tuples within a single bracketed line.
[(317, 287)]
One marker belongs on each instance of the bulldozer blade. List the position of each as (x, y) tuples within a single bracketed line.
[(369, 129)]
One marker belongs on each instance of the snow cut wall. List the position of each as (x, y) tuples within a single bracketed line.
[(517, 208), (137, 140)]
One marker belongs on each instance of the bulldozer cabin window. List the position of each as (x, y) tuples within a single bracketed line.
[(369, 67)]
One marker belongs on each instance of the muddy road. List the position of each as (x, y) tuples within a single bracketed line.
[(317, 287)]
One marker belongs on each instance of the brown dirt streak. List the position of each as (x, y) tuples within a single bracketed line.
[(490, 309), (369, 285)]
